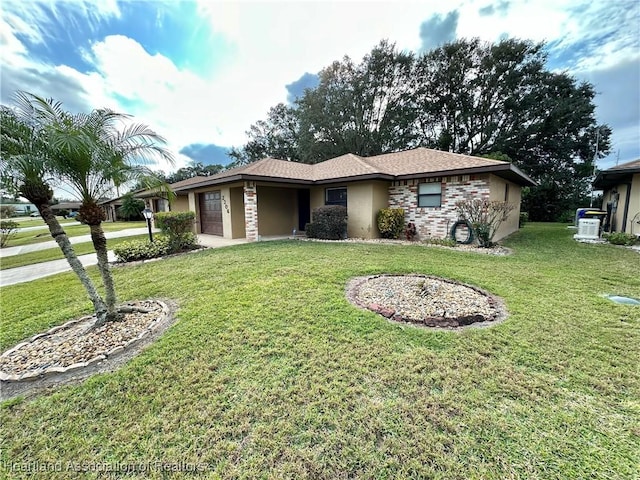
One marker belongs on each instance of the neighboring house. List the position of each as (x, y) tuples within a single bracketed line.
[(69, 206), (621, 196), (273, 197)]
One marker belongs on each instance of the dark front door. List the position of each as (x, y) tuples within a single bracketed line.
[(304, 209), (211, 213)]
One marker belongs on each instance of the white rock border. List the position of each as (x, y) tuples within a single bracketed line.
[(12, 386)]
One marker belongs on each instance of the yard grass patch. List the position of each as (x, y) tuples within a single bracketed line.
[(271, 373), (56, 254), (38, 236)]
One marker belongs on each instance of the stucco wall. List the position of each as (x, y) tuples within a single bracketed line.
[(435, 222), (180, 204), (634, 205), (277, 212), (237, 212), (497, 193), (364, 200)]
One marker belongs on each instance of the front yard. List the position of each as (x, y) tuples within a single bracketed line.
[(271, 373)]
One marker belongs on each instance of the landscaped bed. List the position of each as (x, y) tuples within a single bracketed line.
[(270, 372)]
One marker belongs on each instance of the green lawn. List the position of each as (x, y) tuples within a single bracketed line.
[(38, 236), (56, 254), (38, 222), (271, 373)]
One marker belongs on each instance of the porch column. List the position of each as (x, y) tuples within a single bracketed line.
[(251, 211)]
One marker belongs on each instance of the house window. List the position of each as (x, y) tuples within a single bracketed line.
[(506, 192), (429, 194), (336, 196)]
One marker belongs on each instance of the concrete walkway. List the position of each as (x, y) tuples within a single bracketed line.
[(35, 247), (27, 273)]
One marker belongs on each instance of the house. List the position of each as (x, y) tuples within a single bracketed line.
[(274, 197), (68, 206), (621, 196)]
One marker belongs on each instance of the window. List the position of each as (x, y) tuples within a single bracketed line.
[(429, 195), (506, 192), (336, 196)]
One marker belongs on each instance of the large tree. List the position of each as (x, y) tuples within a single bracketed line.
[(467, 96), (89, 153)]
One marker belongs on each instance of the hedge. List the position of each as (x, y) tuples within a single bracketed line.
[(329, 223)]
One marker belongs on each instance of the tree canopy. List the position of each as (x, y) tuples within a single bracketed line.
[(468, 96)]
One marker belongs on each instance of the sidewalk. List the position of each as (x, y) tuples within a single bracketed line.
[(34, 247), (27, 273)]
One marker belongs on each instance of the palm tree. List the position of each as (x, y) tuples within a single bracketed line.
[(24, 155), (89, 153)]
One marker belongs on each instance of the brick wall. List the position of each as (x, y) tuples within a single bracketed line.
[(251, 211), (435, 222)]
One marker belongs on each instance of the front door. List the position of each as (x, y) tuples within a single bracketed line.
[(304, 208), (211, 213)]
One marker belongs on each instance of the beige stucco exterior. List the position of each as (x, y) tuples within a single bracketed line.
[(277, 210), (619, 194), (180, 203), (504, 190), (364, 201)]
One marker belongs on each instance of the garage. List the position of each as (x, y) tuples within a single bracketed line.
[(211, 213)]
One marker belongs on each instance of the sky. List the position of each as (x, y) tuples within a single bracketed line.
[(201, 72)]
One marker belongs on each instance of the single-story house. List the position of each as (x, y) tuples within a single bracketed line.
[(274, 197), (621, 196), (69, 206)]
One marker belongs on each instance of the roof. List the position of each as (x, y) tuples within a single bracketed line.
[(419, 162), (616, 175)]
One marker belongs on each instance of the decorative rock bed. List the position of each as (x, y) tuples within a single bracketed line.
[(75, 350), (426, 300)]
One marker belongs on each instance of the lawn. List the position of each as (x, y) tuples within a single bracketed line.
[(56, 254), (38, 236), (271, 373)]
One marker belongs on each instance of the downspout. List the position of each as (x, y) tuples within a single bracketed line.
[(626, 207)]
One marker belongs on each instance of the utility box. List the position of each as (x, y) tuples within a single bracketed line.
[(588, 229)]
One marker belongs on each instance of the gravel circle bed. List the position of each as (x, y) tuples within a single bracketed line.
[(75, 350), (426, 300)]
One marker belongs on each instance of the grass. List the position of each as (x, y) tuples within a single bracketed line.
[(271, 373), (38, 222), (39, 236), (56, 254)]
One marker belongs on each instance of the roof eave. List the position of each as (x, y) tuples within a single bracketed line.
[(507, 171)]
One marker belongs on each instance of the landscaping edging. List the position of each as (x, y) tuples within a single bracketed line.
[(492, 312), (31, 382)]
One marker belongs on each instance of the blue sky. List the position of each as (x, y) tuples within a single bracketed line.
[(201, 72)]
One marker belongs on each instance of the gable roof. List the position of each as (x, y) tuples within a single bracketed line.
[(615, 175), (419, 162)]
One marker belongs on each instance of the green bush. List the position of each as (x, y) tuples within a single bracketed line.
[(445, 242), (8, 229), (524, 218), (621, 238), (175, 225), (390, 222), (329, 223), (142, 249)]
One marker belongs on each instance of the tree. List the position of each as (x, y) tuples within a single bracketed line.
[(131, 207), (90, 153), (275, 137), (24, 157), (467, 96)]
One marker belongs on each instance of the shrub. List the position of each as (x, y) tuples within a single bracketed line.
[(390, 222), (131, 208), (176, 226), (445, 242), (63, 213), (329, 223), (485, 216), (8, 229), (524, 218), (7, 211), (142, 249), (621, 238)]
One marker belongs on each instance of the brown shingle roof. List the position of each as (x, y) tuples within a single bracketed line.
[(633, 165), (615, 175), (410, 163)]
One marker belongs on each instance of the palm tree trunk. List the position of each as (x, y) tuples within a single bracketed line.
[(100, 245), (62, 239)]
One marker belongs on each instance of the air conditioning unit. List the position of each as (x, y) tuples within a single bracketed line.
[(588, 229)]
